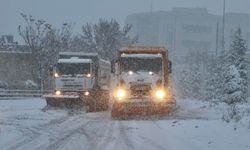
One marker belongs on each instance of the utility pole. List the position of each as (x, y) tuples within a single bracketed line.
[(217, 39), (151, 6), (174, 37), (223, 26)]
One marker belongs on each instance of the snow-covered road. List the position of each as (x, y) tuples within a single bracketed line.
[(194, 126)]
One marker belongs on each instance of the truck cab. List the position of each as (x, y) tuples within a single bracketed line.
[(74, 75), (82, 80)]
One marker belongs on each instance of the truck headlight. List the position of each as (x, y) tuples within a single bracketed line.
[(130, 72), (120, 94), (88, 75), (56, 75), (86, 93), (160, 94), (58, 92)]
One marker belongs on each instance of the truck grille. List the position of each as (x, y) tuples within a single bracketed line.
[(77, 86), (72, 85), (140, 90)]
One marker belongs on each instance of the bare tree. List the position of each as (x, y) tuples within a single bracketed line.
[(44, 42), (106, 37), (34, 33), (65, 36)]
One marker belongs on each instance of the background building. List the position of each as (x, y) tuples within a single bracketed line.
[(17, 65), (187, 30)]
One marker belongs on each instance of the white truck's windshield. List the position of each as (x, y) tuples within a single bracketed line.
[(73, 68)]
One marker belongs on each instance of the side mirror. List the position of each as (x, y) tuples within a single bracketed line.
[(51, 70), (113, 62), (112, 66), (170, 67), (116, 69)]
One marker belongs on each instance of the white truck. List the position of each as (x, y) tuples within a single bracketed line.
[(141, 82), (81, 80)]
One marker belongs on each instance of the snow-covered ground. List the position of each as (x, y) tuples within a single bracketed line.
[(194, 126)]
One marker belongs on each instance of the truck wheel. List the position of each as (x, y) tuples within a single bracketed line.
[(89, 104), (102, 100), (97, 101), (105, 101), (115, 111)]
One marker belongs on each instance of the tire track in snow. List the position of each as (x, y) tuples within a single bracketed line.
[(65, 138), (124, 135), (94, 130), (86, 133), (152, 143), (32, 133), (115, 137), (61, 130), (108, 135)]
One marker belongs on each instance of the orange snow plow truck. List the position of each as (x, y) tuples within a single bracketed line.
[(141, 82)]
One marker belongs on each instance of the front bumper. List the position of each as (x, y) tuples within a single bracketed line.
[(146, 104), (132, 107), (66, 93), (146, 101)]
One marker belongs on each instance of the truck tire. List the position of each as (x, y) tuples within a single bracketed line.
[(115, 113)]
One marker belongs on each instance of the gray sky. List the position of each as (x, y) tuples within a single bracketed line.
[(79, 12)]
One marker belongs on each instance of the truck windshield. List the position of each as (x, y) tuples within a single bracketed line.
[(141, 64), (73, 68)]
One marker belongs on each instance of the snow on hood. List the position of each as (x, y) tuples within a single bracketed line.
[(144, 56), (74, 60)]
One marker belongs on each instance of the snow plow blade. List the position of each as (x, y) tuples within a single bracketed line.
[(92, 103), (132, 110), (69, 102)]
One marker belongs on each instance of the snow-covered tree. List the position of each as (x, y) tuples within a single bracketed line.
[(215, 79), (228, 74), (232, 87), (235, 75), (190, 82)]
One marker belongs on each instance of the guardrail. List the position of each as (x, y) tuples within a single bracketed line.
[(15, 94)]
